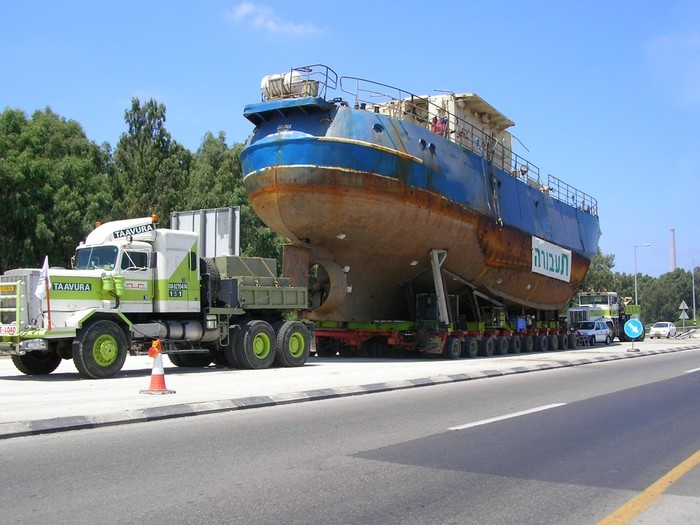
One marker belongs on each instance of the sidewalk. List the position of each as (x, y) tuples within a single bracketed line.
[(63, 401)]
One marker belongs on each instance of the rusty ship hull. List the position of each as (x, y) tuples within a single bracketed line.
[(367, 192)]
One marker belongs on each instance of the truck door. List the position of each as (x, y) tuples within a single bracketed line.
[(137, 274)]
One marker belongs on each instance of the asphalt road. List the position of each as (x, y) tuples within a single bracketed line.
[(565, 445)]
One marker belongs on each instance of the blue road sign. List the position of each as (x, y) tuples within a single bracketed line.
[(634, 328)]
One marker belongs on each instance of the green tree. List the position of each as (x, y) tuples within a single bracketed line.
[(55, 184), (600, 276), (151, 169)]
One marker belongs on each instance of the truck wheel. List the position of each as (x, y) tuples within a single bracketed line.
[(37, 363), (541, 343), (452, 349), (175, 359), (502, 345), (487, 345), (195, 359), (471, 347), (553, 342), (255, 345), (573, 340), (100, 350), (528, 344), (293, 344), (515, 344)]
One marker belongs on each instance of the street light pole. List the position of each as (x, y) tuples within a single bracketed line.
[(635, 269), (692, 276)]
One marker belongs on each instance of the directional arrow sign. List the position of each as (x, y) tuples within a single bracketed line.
[(634, 328), (683, 306)]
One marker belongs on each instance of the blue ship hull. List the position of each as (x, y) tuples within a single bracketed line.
[(367, 195)]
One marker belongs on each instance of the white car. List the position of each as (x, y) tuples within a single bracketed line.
[(662, 329), (596, 331)]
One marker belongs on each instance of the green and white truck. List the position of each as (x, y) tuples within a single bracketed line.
[(132, 283)]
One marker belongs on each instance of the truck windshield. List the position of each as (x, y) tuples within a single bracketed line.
[(90, 258)]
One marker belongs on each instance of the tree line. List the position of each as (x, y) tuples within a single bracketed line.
[(57, 184)]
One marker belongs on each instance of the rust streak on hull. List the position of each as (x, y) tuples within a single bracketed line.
[(383, 232)]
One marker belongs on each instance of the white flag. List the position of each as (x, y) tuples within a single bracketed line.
[(44, 281)]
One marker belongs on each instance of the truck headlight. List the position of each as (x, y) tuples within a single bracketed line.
[(33, 344)]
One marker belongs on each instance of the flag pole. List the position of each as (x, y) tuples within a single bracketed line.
[(48, 301)]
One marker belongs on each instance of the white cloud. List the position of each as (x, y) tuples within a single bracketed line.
[(260, 16)]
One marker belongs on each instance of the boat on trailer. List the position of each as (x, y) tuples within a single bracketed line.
[(387, 195)]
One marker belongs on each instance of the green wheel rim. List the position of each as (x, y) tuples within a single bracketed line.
[(297, 345), (261, 346), (105, 350)]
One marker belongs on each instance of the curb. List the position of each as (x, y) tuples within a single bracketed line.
[(64, 424)]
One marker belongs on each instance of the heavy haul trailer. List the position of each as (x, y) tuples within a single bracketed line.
[(440, 329), (132, 283)]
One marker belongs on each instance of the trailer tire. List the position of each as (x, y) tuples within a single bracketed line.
[(471, 347), (37, 363), (487, 346), (452, 349), (528, 344), (255, 345), (573, 340), (563, 342), (515, 344), (292, 345), (553, 342), (100, 349), (501, 346), (541, 343)]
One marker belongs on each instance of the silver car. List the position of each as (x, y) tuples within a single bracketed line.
[(662, 329), (595, 331)]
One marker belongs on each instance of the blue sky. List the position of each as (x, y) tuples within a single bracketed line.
[(604, 94)]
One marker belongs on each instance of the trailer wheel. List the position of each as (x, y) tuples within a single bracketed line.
[(452, 349), (541, 343), (471, 347), (528, 344), (487, 344), (553, 342), (37, 363), (515, 344), (100, 350), (502, 345), (255, 345), (293, 344), (573, 340), (563, 342)]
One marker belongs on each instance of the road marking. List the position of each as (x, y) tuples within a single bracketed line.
[(643, 500), (506, 416), (691, 371)]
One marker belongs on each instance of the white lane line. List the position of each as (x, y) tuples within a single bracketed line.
[(691, 371), (506, 416)]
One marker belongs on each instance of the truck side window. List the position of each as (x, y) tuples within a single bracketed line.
[(134, 261), (193, 261)]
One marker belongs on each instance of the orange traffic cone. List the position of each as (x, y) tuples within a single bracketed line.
[(157, 374)]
